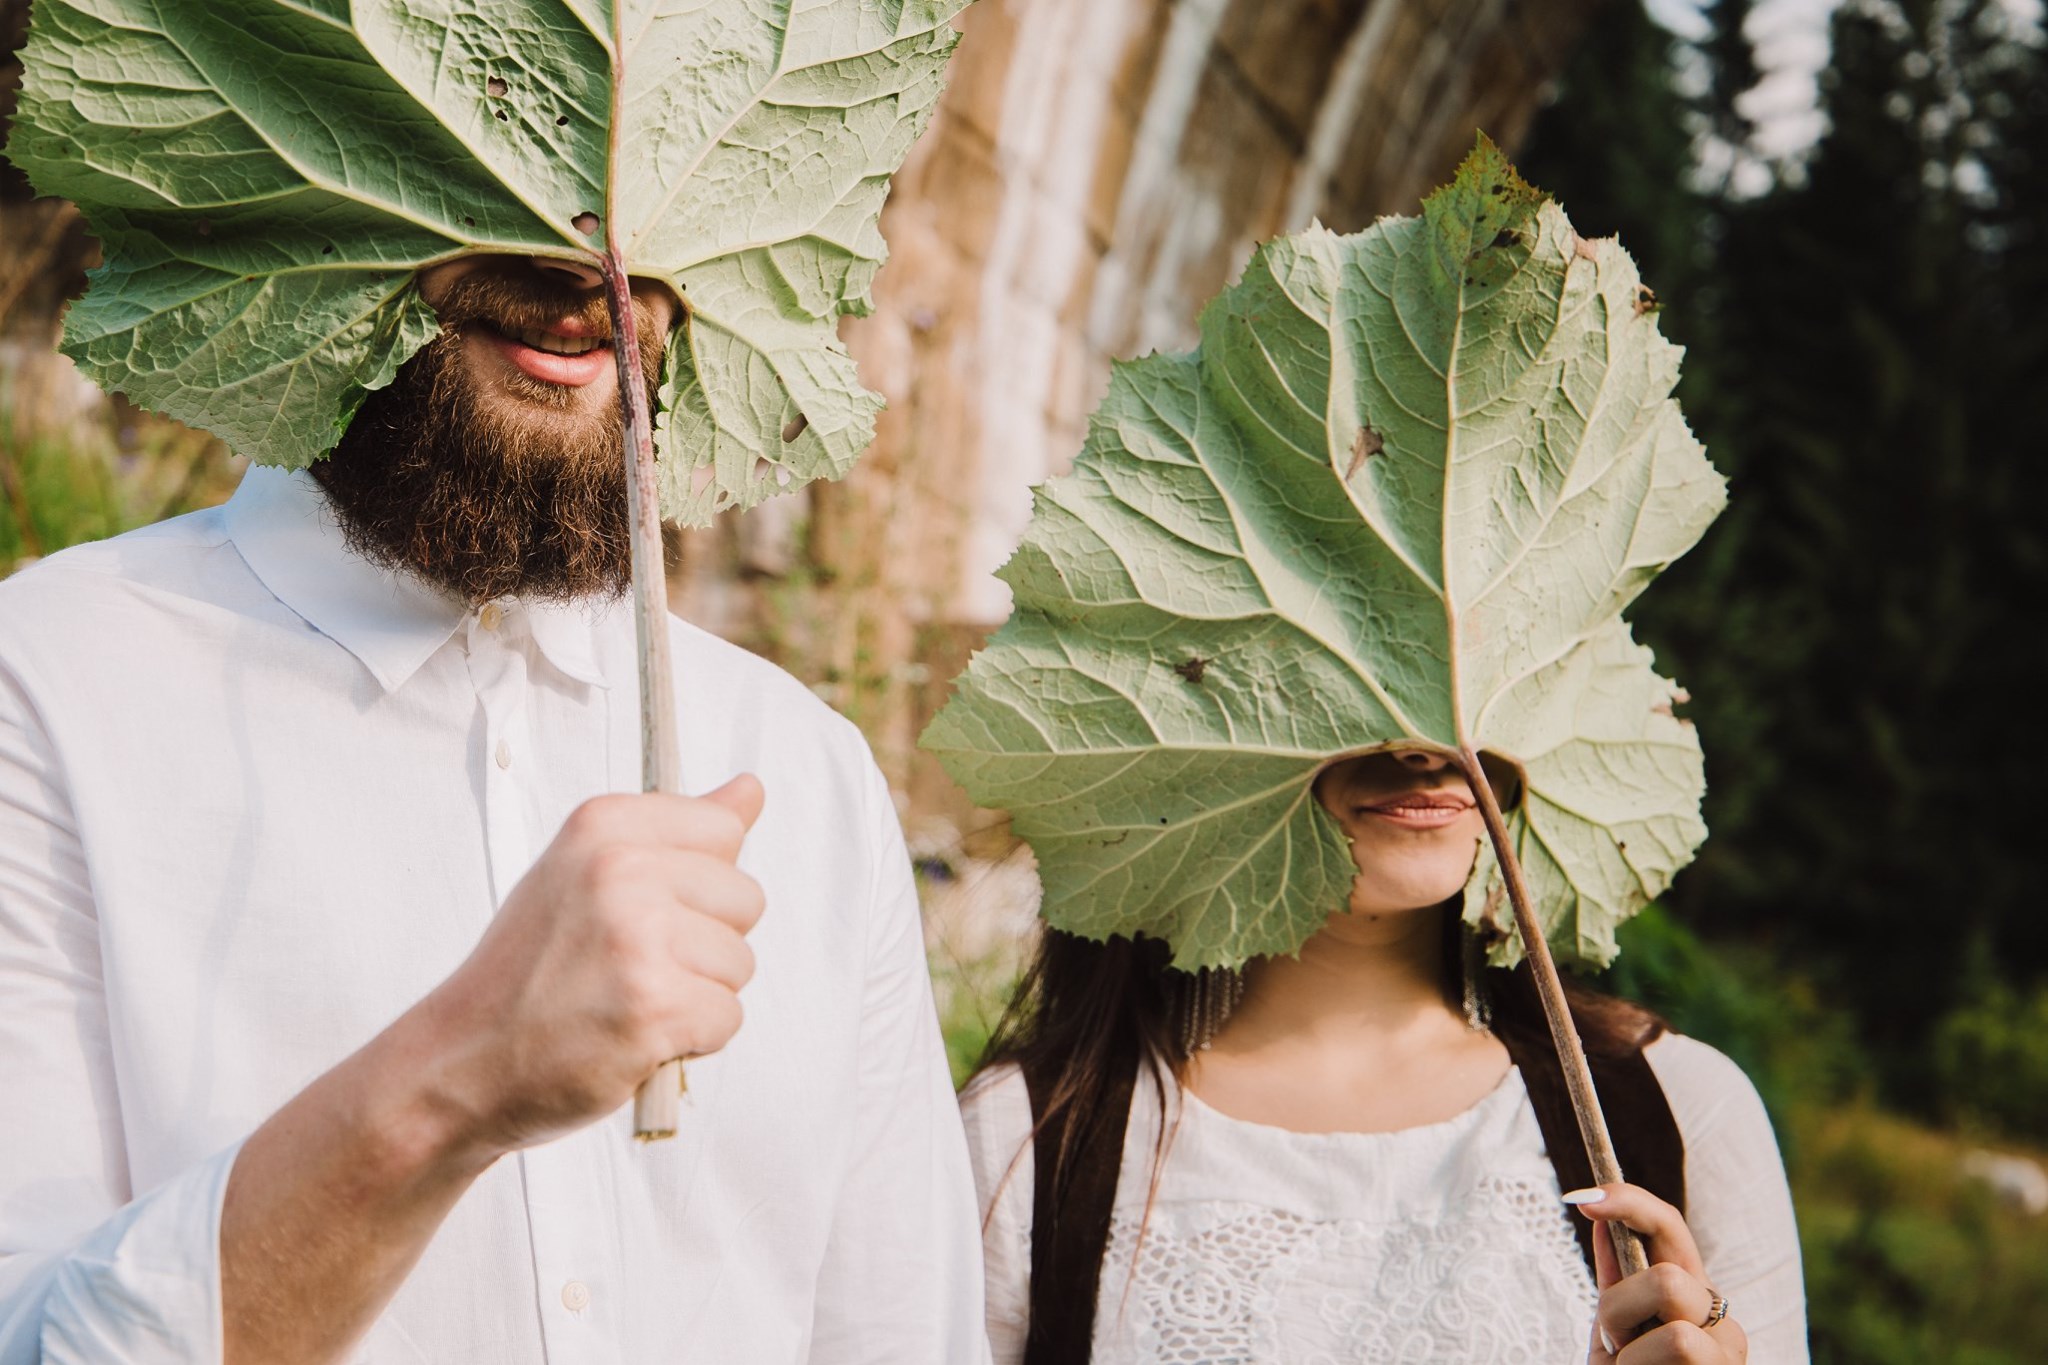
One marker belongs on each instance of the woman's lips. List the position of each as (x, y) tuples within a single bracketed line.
[(1410, 812), (571, 371)]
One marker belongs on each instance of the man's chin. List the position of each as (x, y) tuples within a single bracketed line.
[(484, 485)]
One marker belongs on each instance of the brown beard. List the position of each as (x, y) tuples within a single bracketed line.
[(484, 494)]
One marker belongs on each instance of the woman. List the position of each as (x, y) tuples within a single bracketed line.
[(1333, 1158)]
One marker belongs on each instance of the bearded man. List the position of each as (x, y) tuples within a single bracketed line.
[(327, 963)]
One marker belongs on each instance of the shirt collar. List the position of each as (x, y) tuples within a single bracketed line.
[(392, 622)]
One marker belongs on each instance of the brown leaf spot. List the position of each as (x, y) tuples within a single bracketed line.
[(1583, 248), (1505, 237), (1192, 670), (585, 223), (205, 228), (1490, 929), (496, 86), (794, 428), (1368, 444)]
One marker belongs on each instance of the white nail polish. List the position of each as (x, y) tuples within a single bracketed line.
[(1608, 1342), (1592, 1196)]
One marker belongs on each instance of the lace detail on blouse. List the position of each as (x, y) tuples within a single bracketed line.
[(1502, 1283)]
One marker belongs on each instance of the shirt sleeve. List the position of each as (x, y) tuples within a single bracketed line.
[(1737, 1202), (997, 1110), (901, 1279), (88, 1272)]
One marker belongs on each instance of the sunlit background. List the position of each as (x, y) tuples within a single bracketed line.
[(1841, 206)]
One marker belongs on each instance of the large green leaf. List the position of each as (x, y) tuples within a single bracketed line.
[(1398, 495), (267, 175)]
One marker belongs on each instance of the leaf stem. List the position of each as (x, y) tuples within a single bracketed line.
[(657, 1105), (1564, 1035)]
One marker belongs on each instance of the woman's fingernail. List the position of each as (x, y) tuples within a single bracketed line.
[(1608, 1342), (1592, 1196)]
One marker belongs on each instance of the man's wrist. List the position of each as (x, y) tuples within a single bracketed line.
[(429, 1121)]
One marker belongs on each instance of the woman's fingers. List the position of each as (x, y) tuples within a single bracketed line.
[(1666, 1237), (1652, 1317), (1663, 1293), (1684, 1343)]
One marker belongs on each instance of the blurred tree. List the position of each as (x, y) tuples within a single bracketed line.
[(1865, 338)]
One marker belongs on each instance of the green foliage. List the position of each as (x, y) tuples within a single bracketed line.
[(1863, 343), (266, 179), (1908, 1262), (1991, 1061), (52, 500), (60, 486), (1766, 1017), (1400, 494)]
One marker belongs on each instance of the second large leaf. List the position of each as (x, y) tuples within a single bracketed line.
[(267, 178), (1398, 495)]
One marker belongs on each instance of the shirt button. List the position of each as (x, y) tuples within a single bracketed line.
[(491, 616), (575, 1296), (504, 754)]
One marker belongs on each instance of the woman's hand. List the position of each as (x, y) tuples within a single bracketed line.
[(1655, 1317)]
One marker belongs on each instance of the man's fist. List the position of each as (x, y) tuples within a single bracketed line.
[(624, 946)]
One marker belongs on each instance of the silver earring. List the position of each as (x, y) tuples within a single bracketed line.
[(1204, 1001)]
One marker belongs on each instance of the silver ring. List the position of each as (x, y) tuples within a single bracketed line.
[(1716, 1313)]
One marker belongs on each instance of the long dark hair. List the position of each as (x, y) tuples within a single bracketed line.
[(1085, 1012)]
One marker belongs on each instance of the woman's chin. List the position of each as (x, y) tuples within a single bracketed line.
[(1411, 878)]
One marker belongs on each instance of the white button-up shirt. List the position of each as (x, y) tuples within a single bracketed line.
[(257, 797)]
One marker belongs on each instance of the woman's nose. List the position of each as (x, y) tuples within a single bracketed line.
[(1421, 760), (583, 276)]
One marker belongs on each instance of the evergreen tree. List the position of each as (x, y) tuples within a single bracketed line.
[(1865, 343)]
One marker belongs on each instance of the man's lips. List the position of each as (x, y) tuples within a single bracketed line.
[(564, 353)]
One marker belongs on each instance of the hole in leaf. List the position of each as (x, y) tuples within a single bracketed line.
[(794, 428), (468, 221), (782, 476), (561, 120), (585, 223), (504, 117), (496, 85), (327, 250)]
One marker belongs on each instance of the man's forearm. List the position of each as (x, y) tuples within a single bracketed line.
[(332, 1200)]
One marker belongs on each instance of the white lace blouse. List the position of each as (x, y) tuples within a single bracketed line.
[(1443, 1243)]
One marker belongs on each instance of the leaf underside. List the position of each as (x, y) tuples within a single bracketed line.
[(1399, 494), (267, 177)]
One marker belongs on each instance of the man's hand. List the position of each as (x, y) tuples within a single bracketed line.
[(623, 947)]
